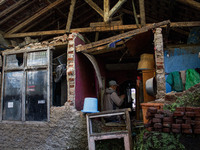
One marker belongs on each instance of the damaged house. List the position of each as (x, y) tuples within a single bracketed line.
[(56, 53)]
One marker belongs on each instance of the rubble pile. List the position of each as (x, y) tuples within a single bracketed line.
[(183, 120), (34, 43)]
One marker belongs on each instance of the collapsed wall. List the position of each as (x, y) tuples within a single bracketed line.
[(65, 130)]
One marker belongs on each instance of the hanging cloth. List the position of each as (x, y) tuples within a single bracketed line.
[(175, 81)]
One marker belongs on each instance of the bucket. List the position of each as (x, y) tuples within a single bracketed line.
[(145, 106), (90, 105)]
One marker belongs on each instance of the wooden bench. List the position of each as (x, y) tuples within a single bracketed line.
[(125, 134)]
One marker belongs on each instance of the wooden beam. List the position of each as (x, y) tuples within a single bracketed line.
[(95, 7), (98, 29), (11, 8), (142, 13), (70, 15), (121, 36), (185, 24), (106, 10), (38, 14), (103, 24), (16, 12), (135, 14), (116, 7), (191, 3), (39, 33)]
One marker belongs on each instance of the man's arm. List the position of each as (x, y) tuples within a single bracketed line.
[(116, 99)]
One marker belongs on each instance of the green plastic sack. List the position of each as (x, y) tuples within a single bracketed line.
[(192, 78), (175, 81)]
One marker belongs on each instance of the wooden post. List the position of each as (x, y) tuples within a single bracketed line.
[(106, 10), (70, 15), (142, 13), (135, 14)]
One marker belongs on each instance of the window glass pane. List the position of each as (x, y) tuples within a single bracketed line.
[(12, 96), (37, 58), (14, 61), (36, 96)]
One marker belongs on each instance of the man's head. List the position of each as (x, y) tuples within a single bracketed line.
[(113, 84)]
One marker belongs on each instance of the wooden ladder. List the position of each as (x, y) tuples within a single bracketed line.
[(125, 134)]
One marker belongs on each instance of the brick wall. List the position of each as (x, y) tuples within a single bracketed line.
[(184, 120), (159, 60), (71, 74)]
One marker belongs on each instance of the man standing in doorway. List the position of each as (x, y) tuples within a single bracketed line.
[(111, 100)]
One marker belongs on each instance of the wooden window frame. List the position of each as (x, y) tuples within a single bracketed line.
[(25, 68)]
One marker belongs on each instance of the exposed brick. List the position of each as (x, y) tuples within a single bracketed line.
[(179, 121), (70, 59), (71, 45), (167, 119), (157, 125), (71, 86), (159, 116), (167, 125), (159, 67), (176, 126), (190, 114), (156, 120), (186, 126), (187, 131), (71, 79), (189, 109), (180, 109), (70, 52), (70, 38), (176, 130), (196, 109), (178, 113), (166, 130)]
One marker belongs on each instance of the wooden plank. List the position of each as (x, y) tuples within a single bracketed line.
[(98, 29), (106, 10), (142, 13), (16, 12), (185, 24), (121, 36), (191, 3), (103, 24), (70, 15), (11, 8), (95, 7), (116, 7), (29, 20)]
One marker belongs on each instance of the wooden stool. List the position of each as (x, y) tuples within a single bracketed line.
[(126, 134)]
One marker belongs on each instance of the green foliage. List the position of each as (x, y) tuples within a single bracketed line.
[(157, 141), (187, 100)]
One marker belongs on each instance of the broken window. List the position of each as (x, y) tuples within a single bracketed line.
[(26, 86)]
